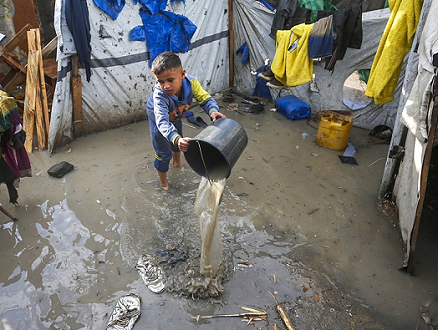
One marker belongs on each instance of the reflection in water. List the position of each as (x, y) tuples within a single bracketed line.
[(62, 271)]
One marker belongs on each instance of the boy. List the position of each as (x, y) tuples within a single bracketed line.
[(171, 97)]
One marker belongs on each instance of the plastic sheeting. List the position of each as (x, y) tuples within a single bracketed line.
[(121, 81), (252, 24)]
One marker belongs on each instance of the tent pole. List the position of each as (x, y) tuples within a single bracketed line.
[(411, 71), (423, 181), (231, 42)]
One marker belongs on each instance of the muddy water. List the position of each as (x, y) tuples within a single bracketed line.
[(306, 223)]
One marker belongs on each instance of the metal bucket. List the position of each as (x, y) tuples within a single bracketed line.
[(214, 151)]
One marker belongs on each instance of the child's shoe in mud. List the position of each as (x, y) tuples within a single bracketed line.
[(125, 313), (151, 273)]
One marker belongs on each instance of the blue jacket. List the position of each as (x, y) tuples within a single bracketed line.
[(161, 104)]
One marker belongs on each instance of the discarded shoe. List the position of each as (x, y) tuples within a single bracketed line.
[(151, 273), (125, 313), (267, 75), (274, 83), (197, 121)]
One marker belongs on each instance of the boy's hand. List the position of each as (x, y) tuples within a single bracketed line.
[(183, 144), (215, 115)]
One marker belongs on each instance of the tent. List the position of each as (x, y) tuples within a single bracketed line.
[(406, 170), (121, 81)]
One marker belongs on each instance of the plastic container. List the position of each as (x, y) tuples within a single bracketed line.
[(334, 129), (214, 151), (292, 107)]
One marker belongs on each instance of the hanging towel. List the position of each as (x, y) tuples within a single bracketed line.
[(291, 64), (395, 43)]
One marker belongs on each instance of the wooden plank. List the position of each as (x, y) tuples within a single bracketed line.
[(29, 99), (50, 47), (13, 62), (17, 39), (231, 42), (76, 88), (45, 106), (39, 116), (13, 82)]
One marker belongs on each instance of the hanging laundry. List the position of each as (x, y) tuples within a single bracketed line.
[(348, 28), (291, 64), (76, 15), (287, 15), (111, 7), (321, 38), (395, 43), (245, 53), (165, 31)]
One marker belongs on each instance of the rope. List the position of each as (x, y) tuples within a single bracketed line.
[(203, 162)]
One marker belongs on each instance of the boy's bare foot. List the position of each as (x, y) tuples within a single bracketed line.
[(180, 165), (163, 180)]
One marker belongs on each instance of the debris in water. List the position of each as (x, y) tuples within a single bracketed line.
[(252, 314), (283, 314)]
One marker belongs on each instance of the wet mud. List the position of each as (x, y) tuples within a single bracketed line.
[(294, 222)]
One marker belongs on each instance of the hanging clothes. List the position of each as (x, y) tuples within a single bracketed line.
[(77, 18), (321, 38), (291, 64), (287, 15), (349, 34), (395, 43)]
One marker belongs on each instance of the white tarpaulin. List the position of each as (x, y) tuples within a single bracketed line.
[(121, 80)]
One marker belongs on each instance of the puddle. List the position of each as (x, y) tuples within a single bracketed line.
[(300, 226)]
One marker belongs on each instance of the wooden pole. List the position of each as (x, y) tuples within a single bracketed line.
[(231, 41), (30, 99), (76, 88)]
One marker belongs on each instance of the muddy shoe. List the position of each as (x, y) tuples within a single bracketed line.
[(125, 313), (151, 273)]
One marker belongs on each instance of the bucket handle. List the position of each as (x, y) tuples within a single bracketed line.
[(203, 162)]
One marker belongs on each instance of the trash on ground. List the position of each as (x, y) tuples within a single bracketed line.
[(125, 313), (150, 273), (171, 256), (252, 314), (283, 314), (60, 169)]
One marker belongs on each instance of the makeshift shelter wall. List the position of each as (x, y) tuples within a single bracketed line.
[(253, 22), (121, 81), (407, 186)]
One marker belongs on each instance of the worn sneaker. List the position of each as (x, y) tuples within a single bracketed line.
[(125, 313), (151, 273), (267, 75), (274, 83)]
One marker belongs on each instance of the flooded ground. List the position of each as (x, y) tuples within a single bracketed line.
[(294, 222)]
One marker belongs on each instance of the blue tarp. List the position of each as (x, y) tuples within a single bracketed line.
[(164, 31), (154, 6), (111, 7)]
